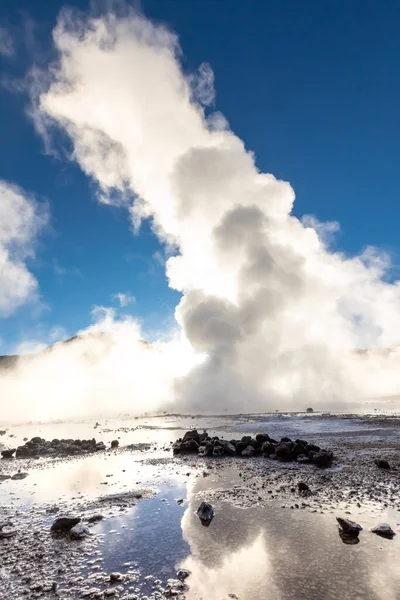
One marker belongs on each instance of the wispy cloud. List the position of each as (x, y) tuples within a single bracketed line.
[(6, 42), (21, 219), (124, 299)]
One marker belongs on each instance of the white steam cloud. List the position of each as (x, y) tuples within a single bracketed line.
[(276, 316), (21, 218)]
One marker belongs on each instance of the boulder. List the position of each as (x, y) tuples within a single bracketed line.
[(114, 444), (283, 453)]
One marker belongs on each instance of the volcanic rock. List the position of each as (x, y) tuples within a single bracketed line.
[(382, 464), (384, 530), (283, 452), (205, 512), (64, 524)]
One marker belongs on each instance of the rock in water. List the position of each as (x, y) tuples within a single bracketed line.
[(64, 524), (384, 530), (79, 531), (205, 512), (382, 464), (349, 527), (114, 444), (183, 574)]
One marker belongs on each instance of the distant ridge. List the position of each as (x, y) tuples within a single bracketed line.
[(9, 361)]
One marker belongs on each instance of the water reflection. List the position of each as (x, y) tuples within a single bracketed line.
[(290, 555)]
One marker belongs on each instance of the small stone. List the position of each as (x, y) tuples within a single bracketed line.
[(382, 464), (79, 531), (114, 444), (303, 487), (349, 527), (183, 574), (95, 518), (384, 530)]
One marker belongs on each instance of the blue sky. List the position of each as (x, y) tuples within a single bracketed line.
[(311, 87)]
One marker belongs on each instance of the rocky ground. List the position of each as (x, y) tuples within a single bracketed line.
[(334, 471)]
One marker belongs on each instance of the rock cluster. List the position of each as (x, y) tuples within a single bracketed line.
[(285, 450), (40, 447)]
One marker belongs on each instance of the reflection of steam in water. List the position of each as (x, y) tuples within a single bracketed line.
[(270, 552)]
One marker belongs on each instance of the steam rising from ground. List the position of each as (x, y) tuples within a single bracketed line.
[(276, 315)]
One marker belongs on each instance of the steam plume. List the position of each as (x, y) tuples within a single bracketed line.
[(276, 314)]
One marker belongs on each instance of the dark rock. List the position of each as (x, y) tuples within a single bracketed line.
[(283, 453), (299, 449), (267, 449), (303, 487), (176, 447), (114, 577), (37, 440), (206, 450), (348, 538), (230, 449), (183, 574), (8, 453), (114, 444), (6, 531), (349, 527), (249, 451), (286, 440), (312, 448), (384, 530), (382, 464), (205, 512), (246, 439), (262, 437), (19, 475), (95, 518), (63, 524), (218, 450), (192, 435), (323, 458), (310, 410)]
